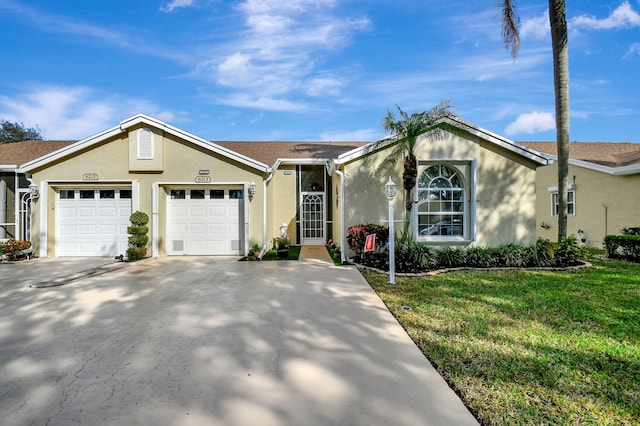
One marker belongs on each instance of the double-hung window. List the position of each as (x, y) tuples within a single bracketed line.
[(571, 203)]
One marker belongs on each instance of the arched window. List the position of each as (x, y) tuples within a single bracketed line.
[(145, 144), (441, 203)]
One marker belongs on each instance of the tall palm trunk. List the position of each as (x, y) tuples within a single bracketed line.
[(409, 178), (559, 41)]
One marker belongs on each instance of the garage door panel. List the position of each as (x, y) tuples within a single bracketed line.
[(92, 226), (201, 226)]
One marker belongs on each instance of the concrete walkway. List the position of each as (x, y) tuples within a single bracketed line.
[(315, 254), (213, 341)]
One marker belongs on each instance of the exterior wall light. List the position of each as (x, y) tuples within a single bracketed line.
[(252, 189)]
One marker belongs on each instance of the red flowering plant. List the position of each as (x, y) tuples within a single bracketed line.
[(357, 235), (13, 248)]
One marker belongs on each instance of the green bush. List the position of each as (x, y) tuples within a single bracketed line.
[(479, 257), (568, 253), (623, 246), (138, 239), (540, 254), (511, 256), (450, 257), (627, 230), (411, 256), (137, 230), (139, 218)]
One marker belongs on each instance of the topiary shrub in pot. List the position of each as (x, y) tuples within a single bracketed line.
[(138, 238)]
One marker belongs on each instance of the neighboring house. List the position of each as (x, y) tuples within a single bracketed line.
[(603, 198), (15, 195), (206, 198)]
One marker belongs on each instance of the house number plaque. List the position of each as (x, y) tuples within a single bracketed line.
[(90, 176), (203, 179)]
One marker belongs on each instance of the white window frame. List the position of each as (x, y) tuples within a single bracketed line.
[(553, 190), (466, 170), (571, 203)]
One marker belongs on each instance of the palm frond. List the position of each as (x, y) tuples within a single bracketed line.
[(510, 26)]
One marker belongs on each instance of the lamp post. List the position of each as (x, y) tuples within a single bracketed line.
[(390, 190)]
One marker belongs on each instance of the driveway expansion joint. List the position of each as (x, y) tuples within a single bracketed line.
[(87, 273)]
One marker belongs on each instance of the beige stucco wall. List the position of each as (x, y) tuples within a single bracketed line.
[(593, 190), (282, 206), (505, 188), (182, 162)]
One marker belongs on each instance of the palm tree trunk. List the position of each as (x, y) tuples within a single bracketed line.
[(409, 177), (559, 41)]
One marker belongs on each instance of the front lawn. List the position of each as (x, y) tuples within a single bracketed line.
[(530, 347)]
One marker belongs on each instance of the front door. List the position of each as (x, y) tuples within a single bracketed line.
[(313, 218)]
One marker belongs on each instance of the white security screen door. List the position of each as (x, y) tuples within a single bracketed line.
[(312, 212)]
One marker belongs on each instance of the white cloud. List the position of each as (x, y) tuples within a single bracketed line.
[(622, 17), (537, 27), (531, 122), (276, 54), (633, 50), (247, 100), (63, 112), (176, 4)]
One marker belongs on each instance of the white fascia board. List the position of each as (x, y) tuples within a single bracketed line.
[(132, 121), (363, 150), (302, 161), (9, 168), (70, 149), (615, 171), (211, 146), (496, 139), (458, 123)]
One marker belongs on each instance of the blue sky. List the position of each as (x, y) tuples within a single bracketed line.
[(312, 69)]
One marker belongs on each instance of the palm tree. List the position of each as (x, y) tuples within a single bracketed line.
[(559, 41), (406, 129)]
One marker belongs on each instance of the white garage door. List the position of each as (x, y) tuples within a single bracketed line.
[(205, 221), (92, 222)]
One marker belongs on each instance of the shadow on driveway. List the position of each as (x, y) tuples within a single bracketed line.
[(213, 341)]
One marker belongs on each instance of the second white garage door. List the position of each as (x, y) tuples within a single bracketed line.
[(205, 221)]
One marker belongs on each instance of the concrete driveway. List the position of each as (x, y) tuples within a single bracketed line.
[(212, 341)]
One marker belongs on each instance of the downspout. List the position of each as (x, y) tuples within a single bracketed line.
[(3, 209), (343, 240), (264, 207)]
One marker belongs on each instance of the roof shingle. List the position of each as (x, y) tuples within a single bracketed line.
[(610, 154), (17, 153)]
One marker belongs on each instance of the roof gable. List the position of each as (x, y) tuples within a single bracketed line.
[(460, 124), (127, 124)]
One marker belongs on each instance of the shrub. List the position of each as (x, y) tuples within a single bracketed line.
[(139, 218), (479, 257), (630, 230), (450, 257), (623, 246), (138, 236), (568, 252), (13, 247), (411, 256), (356, 236), (540, 254), (511, 256)]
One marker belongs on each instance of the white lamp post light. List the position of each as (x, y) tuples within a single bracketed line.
[(390, 190)]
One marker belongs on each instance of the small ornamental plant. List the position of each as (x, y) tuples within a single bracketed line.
[(138, 238), (13, 248)]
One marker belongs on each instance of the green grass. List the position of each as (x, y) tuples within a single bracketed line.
[(294, 254), (530, 347)]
